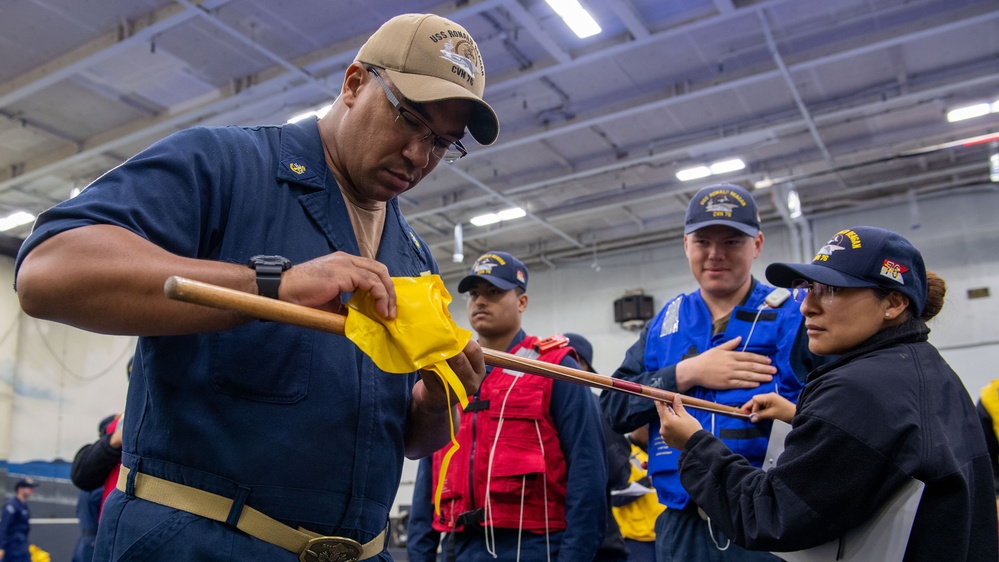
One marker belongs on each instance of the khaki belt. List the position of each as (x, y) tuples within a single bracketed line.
[(310, 547)]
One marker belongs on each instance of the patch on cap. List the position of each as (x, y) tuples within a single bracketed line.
[(430, 58), (893, 270), (725, 205), (499, 269)]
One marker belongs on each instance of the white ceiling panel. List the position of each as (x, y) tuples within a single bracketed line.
[(844, 100)]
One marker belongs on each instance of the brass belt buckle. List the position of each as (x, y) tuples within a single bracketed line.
[(331, 549)]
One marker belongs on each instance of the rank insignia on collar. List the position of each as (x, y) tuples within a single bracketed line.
[(297, 168)]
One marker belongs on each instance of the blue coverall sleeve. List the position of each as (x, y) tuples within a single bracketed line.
[(577, 421), (624, 411), (422, 540)]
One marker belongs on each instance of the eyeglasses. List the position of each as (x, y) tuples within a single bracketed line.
[(824, 293), (441, 148)]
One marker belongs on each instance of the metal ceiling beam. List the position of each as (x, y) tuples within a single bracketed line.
[(274, 86), (730, 85), (724, 6), (274, 57), (625, 11), (742, 139), (530, 24), (497, 195), (134, 132), (111, 44), (786, 74)]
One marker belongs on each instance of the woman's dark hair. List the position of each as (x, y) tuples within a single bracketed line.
[(936, 290)]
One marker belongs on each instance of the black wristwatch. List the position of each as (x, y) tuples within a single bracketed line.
[(269, 270)]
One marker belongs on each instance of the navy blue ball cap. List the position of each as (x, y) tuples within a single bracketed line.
[(723, 204), (582, 346), (862, 256), (25, 482), (499, 269)]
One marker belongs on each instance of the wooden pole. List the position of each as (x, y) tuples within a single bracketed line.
[(205, 294)]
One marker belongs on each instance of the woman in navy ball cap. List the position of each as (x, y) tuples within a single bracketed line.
[(888, 409)]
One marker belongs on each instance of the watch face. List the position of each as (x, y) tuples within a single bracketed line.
[(273, 261)]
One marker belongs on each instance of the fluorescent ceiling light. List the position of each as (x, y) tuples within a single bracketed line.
[(793, 204), (969, 112), (726, 166), (576, 17), (483, 220), (317, 112), (510, 214), (504, 215), (720, 167), (764, 183), (693, 173), (15, 220)]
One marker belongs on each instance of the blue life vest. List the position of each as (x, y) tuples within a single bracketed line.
[(682, 329)]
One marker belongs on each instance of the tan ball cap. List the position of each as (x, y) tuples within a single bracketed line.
[(430, 58)]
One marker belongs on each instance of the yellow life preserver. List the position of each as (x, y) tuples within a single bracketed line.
[(38, 555), (990, 399), (637, 519)]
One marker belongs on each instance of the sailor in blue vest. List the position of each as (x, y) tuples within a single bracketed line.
[(729, 340)]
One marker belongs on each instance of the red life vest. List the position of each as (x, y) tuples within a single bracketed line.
[(112, 479), (527, 462)]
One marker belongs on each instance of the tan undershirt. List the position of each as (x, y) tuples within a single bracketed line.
[(368, 221)]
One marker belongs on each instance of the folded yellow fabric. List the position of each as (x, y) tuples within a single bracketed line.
[(421, 336)]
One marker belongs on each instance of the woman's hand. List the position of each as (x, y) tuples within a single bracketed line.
[(770, 406), (676, 425)]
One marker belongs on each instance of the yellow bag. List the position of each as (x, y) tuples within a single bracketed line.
[(421, 336), (38, 555)]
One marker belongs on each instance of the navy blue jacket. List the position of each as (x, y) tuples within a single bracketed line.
[(301, 423), (888, 411), (14, 527)]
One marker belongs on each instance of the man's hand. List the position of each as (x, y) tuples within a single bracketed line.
[(318, 283), (676, 425), (469, 367), (430, 418), (722, 368), (769, 406)]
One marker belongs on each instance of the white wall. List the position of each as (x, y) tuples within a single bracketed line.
[(57, 382)]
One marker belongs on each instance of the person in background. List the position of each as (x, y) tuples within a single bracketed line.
[(732, 338), (613, 548), (96, 465), (529, 479), (296, 433), (95, 472), (15, 523), (988, 412), (88, 512), (887, 410), (637, 507)]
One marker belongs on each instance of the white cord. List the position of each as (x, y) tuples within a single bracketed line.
[(712, 535), (751, 328), (544, 482), (488, 507), (520, 522)]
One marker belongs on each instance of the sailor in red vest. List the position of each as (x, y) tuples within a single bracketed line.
[(528, 481)]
